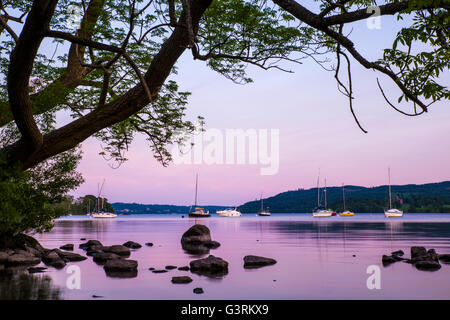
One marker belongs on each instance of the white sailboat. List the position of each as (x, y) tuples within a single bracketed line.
[(392, 212), (319, 211), (263, 212), (229, 213), (100, 213), (198, 212)]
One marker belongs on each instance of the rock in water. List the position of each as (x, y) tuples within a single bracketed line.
[(387, 260), (70, 256), (90, 243), (198, 290), (417, 252), (185, 268), (257, 262), (51, 257), (132, 245), (118, 249), (196, 234), (158, 271), (102, 257), (211, 266), (427, 265), (171, 267), (183, 279), (121, 265), (399, 253), (149, 244), (445, 258), (68, 247)]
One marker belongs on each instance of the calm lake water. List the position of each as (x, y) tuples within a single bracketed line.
[(318, 258)]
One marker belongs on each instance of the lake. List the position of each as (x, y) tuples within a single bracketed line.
[(317, 258)]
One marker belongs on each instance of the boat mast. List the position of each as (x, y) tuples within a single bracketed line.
[(343, 194), (318, 190), (262, 203), (196, 186), (390, 194), (325, 193), (98, 197)]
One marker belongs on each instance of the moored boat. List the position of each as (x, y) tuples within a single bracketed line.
[(198, 212), (229, 213), (392, 212)]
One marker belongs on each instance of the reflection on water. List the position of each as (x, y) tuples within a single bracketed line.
[(18, 284), (316, 258)]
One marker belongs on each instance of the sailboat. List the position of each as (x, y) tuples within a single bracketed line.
[(100, 212), (319, 211), (345, 213), (392, 212), (263, 212), (198, 212)]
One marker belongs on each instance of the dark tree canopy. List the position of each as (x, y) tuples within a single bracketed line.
[(110, 71)]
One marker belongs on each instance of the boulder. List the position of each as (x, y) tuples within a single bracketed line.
[(58, 264), (90, 243), (67, 247), (20, 259), (198, 233), (211, 244), (91, 251), (427, 265), (182, 279), (211, 266), (132, 245), (103, 257), (121, 265), (445, 258), (257, 262), (198, 290), (418, 251), (117, 249)]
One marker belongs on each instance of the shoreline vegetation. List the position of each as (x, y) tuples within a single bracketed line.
[(425, 198)]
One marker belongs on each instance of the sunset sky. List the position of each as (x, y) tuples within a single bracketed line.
[(316, 131)]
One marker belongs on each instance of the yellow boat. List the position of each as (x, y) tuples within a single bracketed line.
[(346, 214)]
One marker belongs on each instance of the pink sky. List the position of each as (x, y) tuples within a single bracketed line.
[(316, 130)]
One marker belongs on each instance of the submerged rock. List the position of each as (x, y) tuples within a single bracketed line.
[(198, 290), (211, 266), (387, 260), (427, 265), (121, 265), (117, 249), (103, 257), (67, 247), (149, 244), (182, 279), (399, 253), (257, 262), (159, 271), (171, 267), (185, 268), (132, 245)]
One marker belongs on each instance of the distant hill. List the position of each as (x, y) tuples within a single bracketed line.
[(432, 197), (136, 208)]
